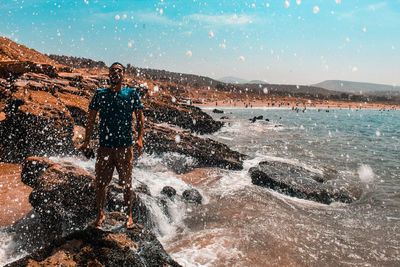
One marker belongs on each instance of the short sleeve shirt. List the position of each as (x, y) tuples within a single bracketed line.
[(115, 111)]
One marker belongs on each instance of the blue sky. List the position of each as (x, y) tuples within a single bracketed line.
[(290, 42)]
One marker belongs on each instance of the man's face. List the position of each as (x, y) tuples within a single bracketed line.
[(116, 74)]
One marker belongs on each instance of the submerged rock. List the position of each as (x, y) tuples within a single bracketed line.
[(299, 182), (217, 111), (168, 191), (192, 196), (113, 245), (256, 118)]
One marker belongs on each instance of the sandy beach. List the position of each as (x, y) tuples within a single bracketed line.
[(294, 103)]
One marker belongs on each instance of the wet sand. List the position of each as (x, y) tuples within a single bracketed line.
[(14, 194)]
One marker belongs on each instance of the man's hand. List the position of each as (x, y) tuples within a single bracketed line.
[(139, 147), (84, 147), (87, 150)]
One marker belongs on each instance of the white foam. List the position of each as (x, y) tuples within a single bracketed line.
[(7, 248), (366, 174), (209, 247), (153, 171)]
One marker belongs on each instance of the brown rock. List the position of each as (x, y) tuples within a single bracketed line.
[(64, 194), (207, 152), (17, 68), (93, 247), (10, 50), (36, 123), (70, 76), (185, 116)]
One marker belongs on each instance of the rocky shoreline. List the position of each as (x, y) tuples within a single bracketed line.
[(44, 107), (43, 111)]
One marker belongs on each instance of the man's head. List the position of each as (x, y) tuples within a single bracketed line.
[(116, 73)]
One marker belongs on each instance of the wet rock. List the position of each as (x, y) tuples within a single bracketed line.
[(64, 195), (207, 152), (179, 163), (115, 202), (112, 245), (192, 196), (143, 189), (298, 182), (185, 116), (217, 111), (256, 118), (224, 118), (36, 124), (168, 191)]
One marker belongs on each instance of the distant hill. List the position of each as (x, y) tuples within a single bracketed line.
[(78, 62), (256, 82), (231, 79), (255, 86), (11, 51), (358, 87)]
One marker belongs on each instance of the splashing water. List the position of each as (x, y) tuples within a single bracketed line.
[(366, 174)]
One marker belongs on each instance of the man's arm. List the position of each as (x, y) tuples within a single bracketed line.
[(91, 119), (140, 129)]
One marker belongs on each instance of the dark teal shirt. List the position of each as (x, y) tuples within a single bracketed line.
[(116, 110)]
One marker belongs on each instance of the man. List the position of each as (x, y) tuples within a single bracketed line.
[(115, 106)]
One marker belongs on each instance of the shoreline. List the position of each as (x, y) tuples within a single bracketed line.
[(210, 107), (295, 104)]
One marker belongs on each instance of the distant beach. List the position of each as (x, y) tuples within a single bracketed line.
[(297, 103)]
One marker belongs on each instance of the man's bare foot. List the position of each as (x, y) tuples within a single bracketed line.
[(130, 224), (98, 222)]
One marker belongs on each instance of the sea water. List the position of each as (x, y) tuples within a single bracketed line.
[(246, 225), (240, 224)]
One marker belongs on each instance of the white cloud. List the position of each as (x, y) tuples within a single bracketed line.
[(377, 6), (156, 19), (221, 20)]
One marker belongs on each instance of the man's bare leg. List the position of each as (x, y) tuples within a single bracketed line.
[(104, 172), (124, 164), (128, 198)]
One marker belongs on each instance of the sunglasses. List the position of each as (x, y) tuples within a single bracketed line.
[(115, 70)]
